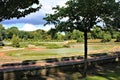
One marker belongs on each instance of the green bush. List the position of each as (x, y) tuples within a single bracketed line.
[(66, 46), (15, 41), (106, 37), (49, 45), (52, 46), (118, 39), (23, 45), (80, 40)]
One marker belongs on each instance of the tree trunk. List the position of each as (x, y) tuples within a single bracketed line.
[(85, 54)]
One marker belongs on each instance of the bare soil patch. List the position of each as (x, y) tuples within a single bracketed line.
[(35, 49), (4, 56)]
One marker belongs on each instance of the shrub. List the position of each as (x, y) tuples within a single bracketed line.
[(52, 46), (15, 41), (80, 40), (118, 39), (66, 46), (23, 45), (106, 37)]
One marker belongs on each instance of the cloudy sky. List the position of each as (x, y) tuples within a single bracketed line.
[(35, 20)]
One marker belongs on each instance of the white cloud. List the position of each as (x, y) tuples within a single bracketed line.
[(35, 20), (29, 27), (47, 27), (48, 4), (37, 17)]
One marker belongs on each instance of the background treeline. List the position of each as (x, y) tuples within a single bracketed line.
[(96, 33)]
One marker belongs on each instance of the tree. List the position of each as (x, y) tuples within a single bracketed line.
[(106, 37), (97, 32), (24, 35), (17, 8), (12, 31), (82, 15), (15, 41), (59, 36), (38, 34), (118, 38), (68, 35), (2, 32), (52, 33), (77, 35)]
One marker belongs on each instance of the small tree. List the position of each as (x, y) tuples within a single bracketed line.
[(15, 41)]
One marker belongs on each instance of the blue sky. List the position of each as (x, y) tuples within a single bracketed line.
[(35, 20)]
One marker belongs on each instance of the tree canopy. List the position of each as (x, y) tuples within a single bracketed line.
[(17, 8), (2, 32), (82, 15)]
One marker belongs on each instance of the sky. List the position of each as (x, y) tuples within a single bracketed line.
[(35, 20)]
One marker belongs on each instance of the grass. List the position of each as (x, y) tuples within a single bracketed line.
[(111, 72), (77, 49), (95, 78), (41, 54)]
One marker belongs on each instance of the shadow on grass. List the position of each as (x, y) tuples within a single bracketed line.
[(110, 71)]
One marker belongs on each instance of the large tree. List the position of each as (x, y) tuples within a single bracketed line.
[(17, 8), (2, 32), (82, 15), (12, 31)]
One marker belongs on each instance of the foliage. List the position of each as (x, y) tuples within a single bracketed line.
[(67, 35), (82, 15), (59, 36), (11, 31), (97, 32), (16, 9), (23, 45), (41, 35), (48, 45), (77, 35), (106, 37), (52, 33), (53, 46), (2, 32), (15, 41), (118, 39), (79, 17), (114, 33), (80, 40)]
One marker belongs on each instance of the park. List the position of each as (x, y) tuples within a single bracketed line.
[(77, 45)]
